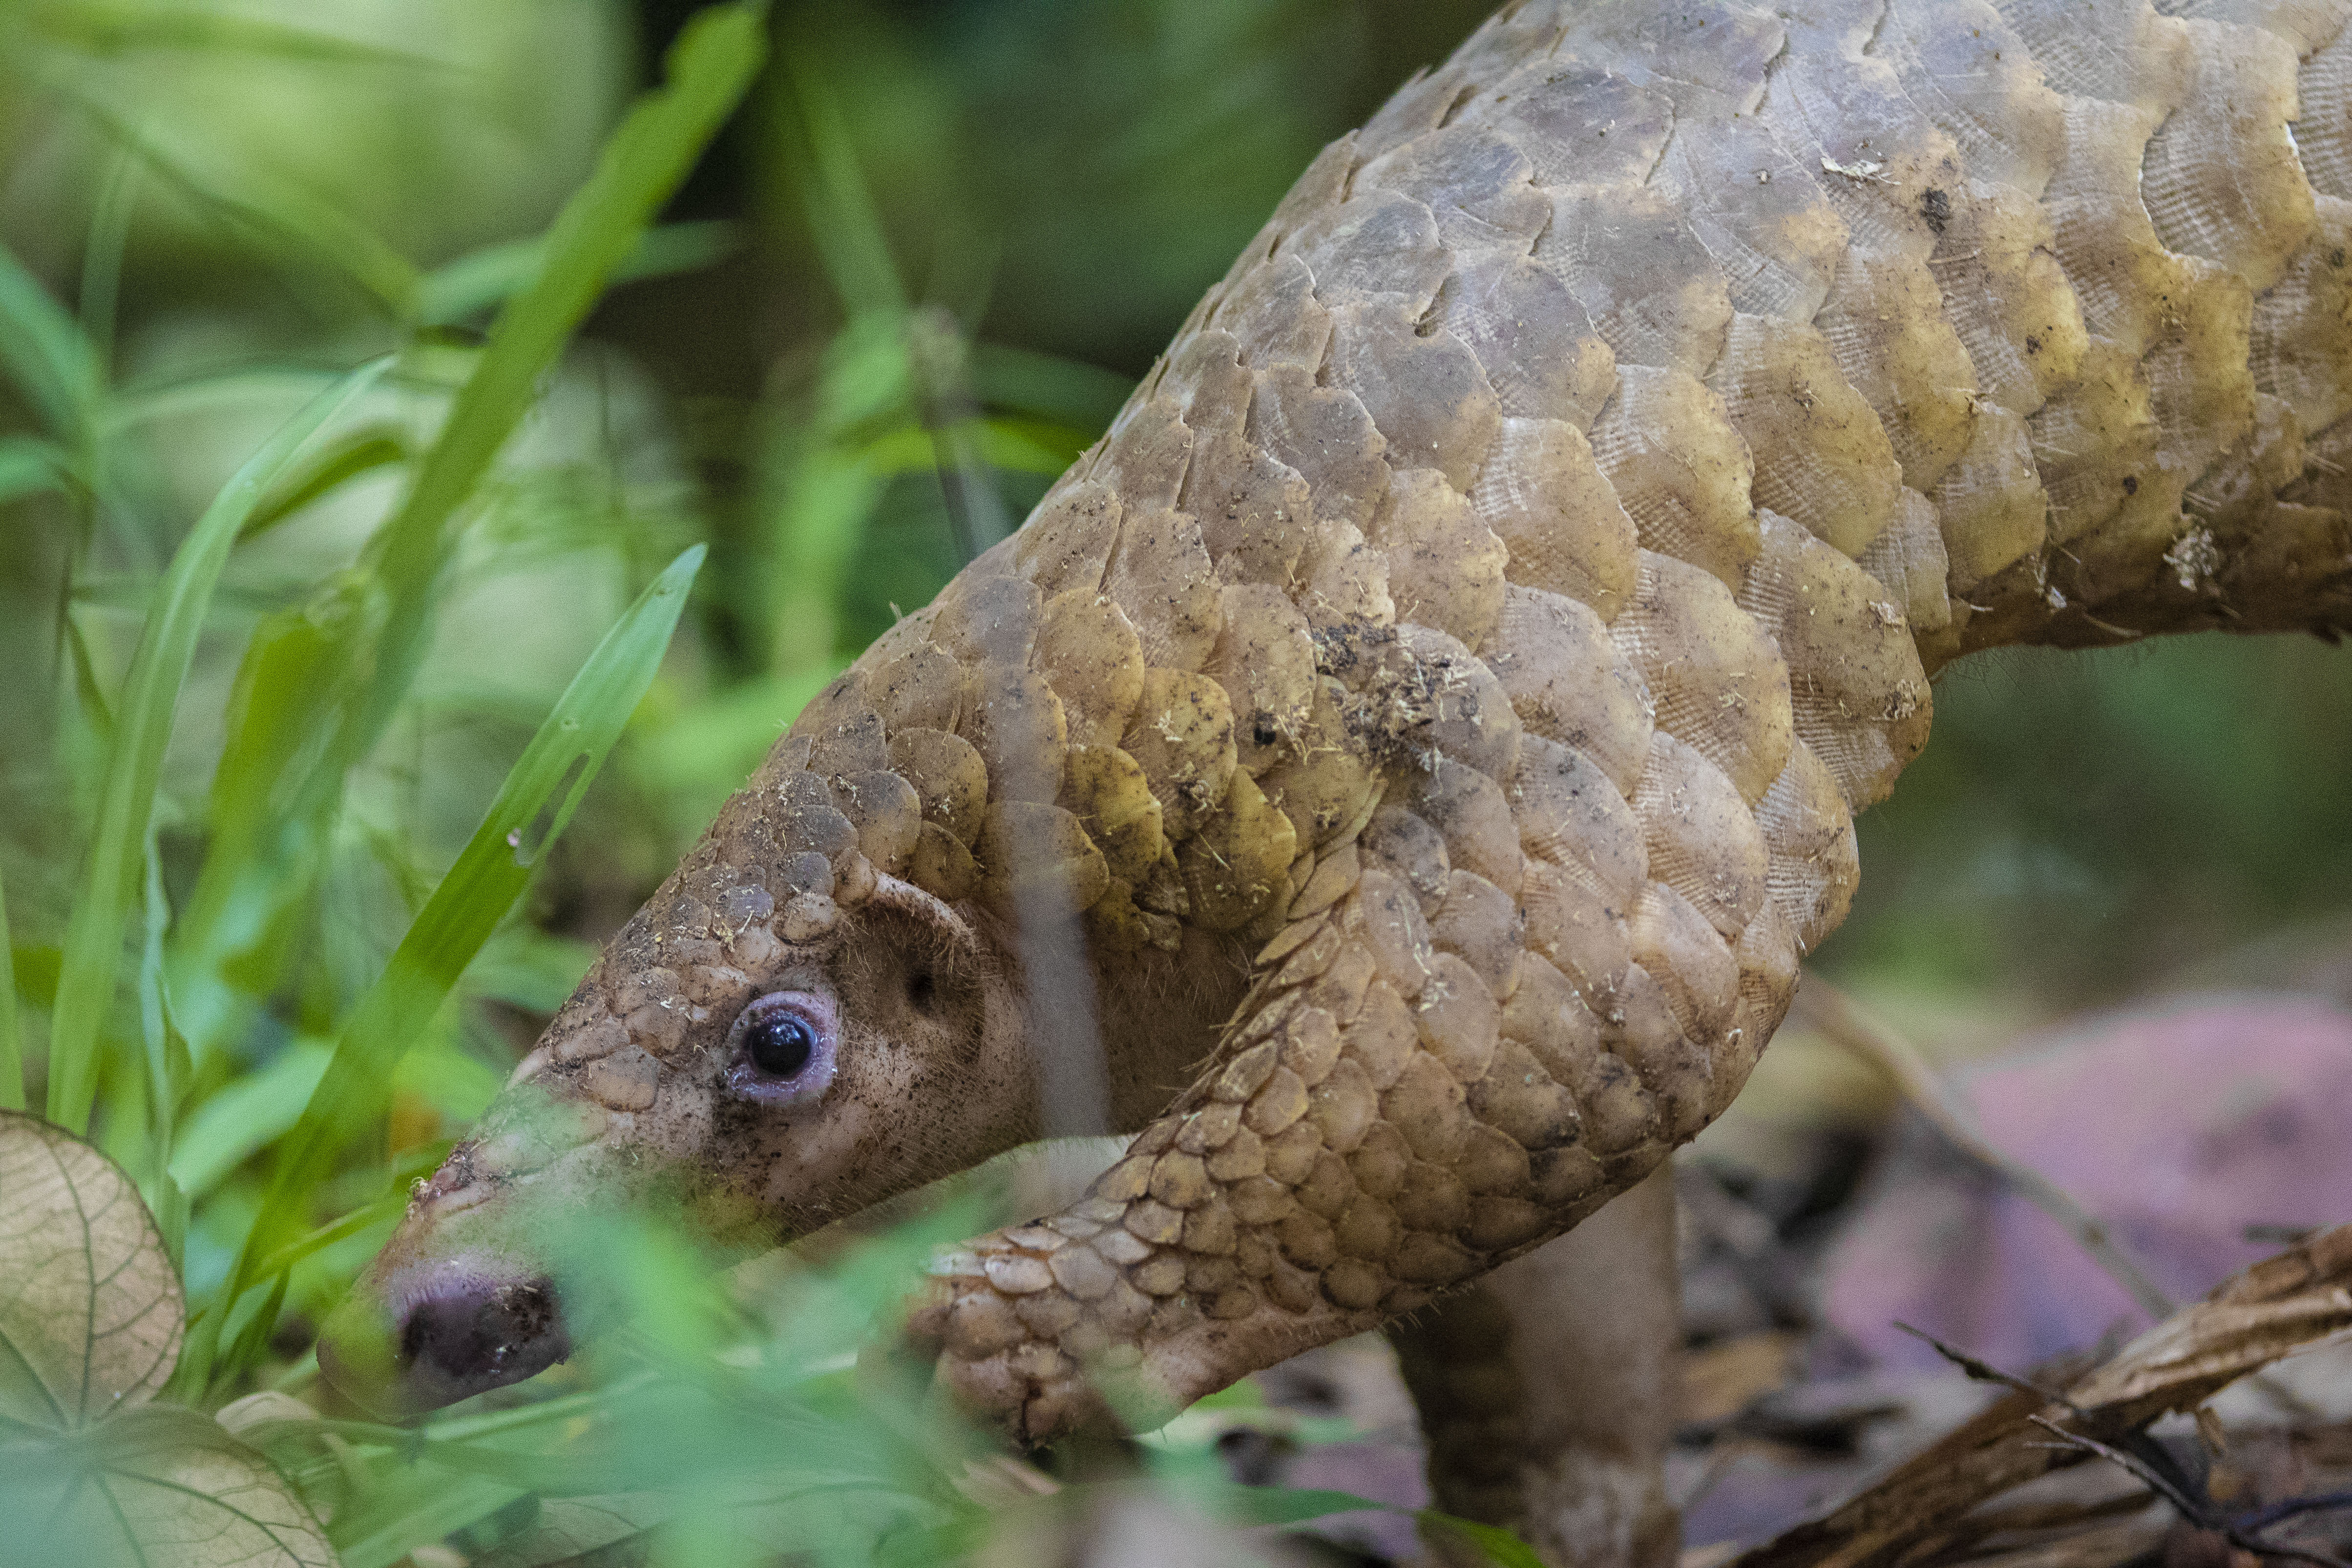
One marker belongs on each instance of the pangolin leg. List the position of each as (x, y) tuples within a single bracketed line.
[(1547, 1389)]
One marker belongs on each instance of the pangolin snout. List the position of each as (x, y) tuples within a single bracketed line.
[(451, 1334)]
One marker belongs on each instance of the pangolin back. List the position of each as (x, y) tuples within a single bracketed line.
[(1494, 605)]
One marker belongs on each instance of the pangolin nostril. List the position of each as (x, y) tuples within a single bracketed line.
[(476, 1336)]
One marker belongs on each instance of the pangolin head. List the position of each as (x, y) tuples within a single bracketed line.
[(764, 1048)]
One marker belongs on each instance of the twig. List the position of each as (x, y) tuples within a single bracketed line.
[(2256, 1520), (2290, 1302), (1981, 1371), (2190, 1506), (1834, 1014)]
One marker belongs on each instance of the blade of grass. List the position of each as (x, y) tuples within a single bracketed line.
[(272, 808), (842, 217), (94, 944), (536, 800), (245, 1115), (12, 1039), (256, 1333), (167, 1066), (321, 682), (710, 66), (380, 1536), (826, 488), (280, 214), (48, 355), (455, 291), (103, 31), (1065, 391), (30, 467), (361, 453), (101, 255), (388, 1208)]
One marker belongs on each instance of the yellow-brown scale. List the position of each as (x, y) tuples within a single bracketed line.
[(1483, 623)]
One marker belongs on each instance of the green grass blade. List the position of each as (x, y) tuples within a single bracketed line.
[(12, 1039), (280, 214), (109, 30), (272, 808), (354, 456), (828, 488), (167, 1067), (93, 945), (382, 1211), (454, 291), (101, 255), (1065, 391), (531, 809), (245, 1116), (321, 682), (31, 468), (48, 355), (380, 1536), (709, 68), (1492, 1542), (842, 217)]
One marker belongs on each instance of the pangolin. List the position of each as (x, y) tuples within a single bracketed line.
[(1426, 730)]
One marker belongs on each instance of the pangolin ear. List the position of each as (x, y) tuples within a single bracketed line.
[(905, 901)]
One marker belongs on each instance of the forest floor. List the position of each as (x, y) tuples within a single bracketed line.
[(1826, 1219)]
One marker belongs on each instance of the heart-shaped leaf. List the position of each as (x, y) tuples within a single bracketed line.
[(92, 1474), (90, 1310), (155, 1487)]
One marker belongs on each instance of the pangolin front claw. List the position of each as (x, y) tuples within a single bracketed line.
[(1014, 1345)]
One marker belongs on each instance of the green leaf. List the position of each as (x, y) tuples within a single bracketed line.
[(538, 798), (382, 1211), (1063, 392), (156, 1487), (91, 1316), (48, 355), (436, 1504), (1274, 1505), (827, 486), (102, 254), (1492, 1541), (247, 1115), (710, 66), (93, 945), (842, 216), (711, 748), (167, 1066), (489, 276), (361, 452), (102, 29), (12, 1038), (529, 969), (281, 214), (30, 467), (320, 682), (272, 804)]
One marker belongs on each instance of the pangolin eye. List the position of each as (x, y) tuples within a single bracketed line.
[(781, 1048), (780, 1043)]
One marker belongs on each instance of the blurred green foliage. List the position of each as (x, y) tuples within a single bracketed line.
[(940, 236)]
